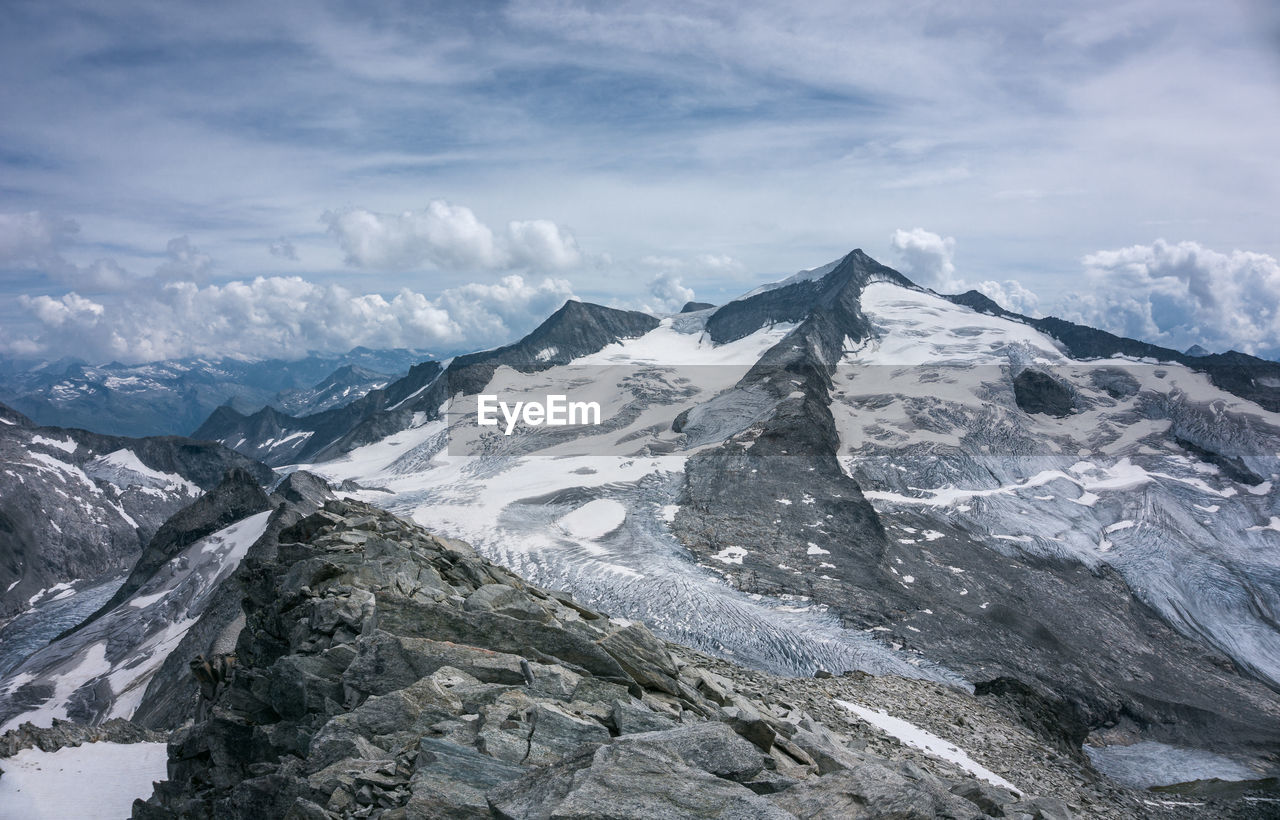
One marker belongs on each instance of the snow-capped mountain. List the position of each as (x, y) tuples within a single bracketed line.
[(342, 386), (842, 471), (76, 505), (173, 397), (279, 439), (847, 471)]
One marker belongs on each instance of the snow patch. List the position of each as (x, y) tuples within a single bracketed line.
[(928, 743), (67, 446), (595, 519), (730, 555), (90, 780)]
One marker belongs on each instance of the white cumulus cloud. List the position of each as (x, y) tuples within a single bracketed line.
[(1182, 294), (449, 236), (286, 316), (928, 259), (668, 293)]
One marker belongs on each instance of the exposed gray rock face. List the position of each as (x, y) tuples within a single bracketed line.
[(78, 505), (237, 497), (387, 672), (795, 303), (1038, 392)]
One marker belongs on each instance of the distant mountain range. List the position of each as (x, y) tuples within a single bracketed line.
[(174, 397)]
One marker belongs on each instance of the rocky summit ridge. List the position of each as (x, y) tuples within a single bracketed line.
[(386, 672)]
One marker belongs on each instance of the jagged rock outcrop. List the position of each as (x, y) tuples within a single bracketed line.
[(387, 672), (64, 733), (1037, 392)]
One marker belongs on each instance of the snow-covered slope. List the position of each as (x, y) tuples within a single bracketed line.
[(846, 471), (102, 670), (1139, 477), (589, 511), (76, 506)]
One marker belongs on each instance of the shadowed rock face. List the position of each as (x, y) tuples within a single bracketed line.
[(77, 505), (237, 497), (1038, 392), (387, 672), (795, 303)]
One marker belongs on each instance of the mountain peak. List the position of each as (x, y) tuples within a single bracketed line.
[(795, 298)]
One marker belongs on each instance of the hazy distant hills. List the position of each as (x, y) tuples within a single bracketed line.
[(174, 397)]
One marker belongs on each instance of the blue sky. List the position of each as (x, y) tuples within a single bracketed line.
[(267, 178)]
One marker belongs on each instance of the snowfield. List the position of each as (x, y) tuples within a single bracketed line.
[(93, 780)]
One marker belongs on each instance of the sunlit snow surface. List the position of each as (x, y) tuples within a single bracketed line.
[(591, 512), (927, 742), (93, 780), (928, 421)]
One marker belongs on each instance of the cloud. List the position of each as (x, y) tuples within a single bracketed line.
[(184, 262), (285, 317), (33, 237), (669, 294), (541, 244), (38, 240), (449, 236), (284, 249), (57, 312), (926, 258), (1183, 294), (490, 314), (1010, 295)]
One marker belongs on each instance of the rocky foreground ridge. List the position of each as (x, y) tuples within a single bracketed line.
[(386, 672)]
